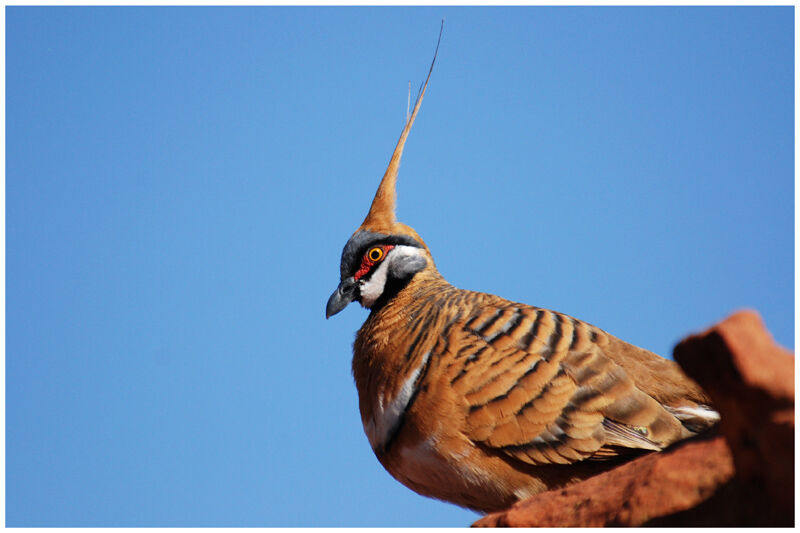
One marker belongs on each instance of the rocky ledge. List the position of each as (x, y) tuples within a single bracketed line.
[(741, 474)]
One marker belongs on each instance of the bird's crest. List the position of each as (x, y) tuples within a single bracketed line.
[(381, 216)]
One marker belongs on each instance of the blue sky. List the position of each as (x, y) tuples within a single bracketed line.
[(180, 183)]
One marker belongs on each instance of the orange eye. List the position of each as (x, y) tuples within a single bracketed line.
[(375, 254)]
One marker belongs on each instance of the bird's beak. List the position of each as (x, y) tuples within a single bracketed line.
[(343, 295)]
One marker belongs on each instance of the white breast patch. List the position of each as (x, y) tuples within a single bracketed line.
[(385, 418)]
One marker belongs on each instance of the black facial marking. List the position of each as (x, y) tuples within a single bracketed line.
[(390, 290), (359, 243)]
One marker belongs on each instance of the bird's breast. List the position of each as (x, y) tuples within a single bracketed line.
[(388, 406)]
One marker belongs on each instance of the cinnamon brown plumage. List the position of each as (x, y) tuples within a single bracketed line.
[(480, 401)]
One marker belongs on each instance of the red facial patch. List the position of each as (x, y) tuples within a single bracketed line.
[(367, 263)]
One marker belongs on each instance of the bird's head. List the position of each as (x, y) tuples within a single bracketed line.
[(383, 255)]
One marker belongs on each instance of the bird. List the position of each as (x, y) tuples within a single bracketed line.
[(481, 401)]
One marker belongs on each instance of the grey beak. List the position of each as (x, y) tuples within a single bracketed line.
[(343, 295)]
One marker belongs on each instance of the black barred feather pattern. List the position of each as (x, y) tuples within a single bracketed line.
[(536, 383)]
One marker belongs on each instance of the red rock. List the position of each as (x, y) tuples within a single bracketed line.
[(631, 494), (741, 474), (751, 381)]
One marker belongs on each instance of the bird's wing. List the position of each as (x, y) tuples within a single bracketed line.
[(538, 387)]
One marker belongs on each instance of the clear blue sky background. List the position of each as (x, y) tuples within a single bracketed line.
[(180, 183)]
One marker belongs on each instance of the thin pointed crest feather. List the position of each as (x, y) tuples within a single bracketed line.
[(381, 215)]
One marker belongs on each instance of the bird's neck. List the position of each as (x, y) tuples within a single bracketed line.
[(392, 342), (399, 306)]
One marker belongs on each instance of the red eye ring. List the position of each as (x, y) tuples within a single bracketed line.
[(374, 255)]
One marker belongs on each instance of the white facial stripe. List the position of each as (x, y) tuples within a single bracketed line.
[(386, 418), (372, 289)]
